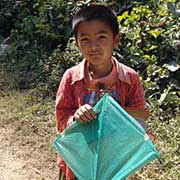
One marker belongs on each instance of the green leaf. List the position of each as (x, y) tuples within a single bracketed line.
[(156, 32), (150, 58), (130, 35), (123, 16), (151, 48)]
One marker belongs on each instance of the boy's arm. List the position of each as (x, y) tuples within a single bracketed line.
[(64, 116), (138, 113), (136, 99), (65, 105), (136, 106)]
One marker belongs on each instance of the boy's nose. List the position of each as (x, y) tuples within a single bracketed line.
[(94, 45)]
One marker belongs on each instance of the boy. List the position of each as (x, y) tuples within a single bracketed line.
[(96, 32)]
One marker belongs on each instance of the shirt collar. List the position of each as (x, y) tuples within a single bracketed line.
[(79, 71), (123, 71)]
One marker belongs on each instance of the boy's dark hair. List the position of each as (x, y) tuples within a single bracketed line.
[(96, 12)]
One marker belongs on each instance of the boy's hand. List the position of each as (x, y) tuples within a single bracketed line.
[(85, 113)]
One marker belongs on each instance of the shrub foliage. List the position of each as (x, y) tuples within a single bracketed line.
[(41, 45)]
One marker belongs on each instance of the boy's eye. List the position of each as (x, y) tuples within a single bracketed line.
[(102, 37), (84, 39)]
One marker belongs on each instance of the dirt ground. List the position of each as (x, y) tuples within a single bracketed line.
[(27, 129), (20, 163), (24, 154)]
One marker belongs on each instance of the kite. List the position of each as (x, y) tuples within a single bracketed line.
[(111, 147)]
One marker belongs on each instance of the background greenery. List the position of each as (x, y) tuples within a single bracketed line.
[(39, 47)]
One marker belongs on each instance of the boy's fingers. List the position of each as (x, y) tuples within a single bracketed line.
[(88, 111), (80, 117), (85, 113)]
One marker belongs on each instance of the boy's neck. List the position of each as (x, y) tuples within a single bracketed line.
[(97, 72)]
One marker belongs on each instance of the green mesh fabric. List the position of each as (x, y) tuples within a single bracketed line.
[(111, 147)]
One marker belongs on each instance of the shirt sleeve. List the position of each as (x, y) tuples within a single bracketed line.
[(136, 99), (64, 105)]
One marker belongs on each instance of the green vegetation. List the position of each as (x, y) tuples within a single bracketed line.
[(41, 47)]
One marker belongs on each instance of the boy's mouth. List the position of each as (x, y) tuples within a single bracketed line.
[(94, 54)]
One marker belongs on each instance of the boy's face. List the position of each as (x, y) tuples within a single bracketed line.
[(96, 42)]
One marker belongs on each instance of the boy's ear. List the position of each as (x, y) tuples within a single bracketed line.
[(116, 40)]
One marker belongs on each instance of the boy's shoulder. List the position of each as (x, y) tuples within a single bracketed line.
[(76, 72), (123, 68), (126, 68), (77, 69), (126, 73)]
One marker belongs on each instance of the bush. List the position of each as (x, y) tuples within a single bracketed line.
[(42, 47), (58, 62), (149, 44), (36, 28)]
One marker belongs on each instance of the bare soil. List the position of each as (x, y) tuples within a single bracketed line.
[(27, 129), (25, 149)]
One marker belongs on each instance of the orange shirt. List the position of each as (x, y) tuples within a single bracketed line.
[(77, 88)]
